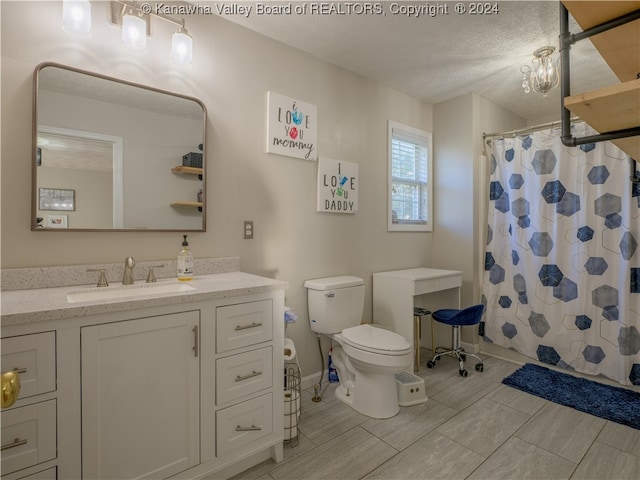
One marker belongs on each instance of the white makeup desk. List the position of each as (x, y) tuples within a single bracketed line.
[(396, 293)]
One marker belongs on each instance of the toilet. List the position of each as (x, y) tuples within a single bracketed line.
[(366, 357)]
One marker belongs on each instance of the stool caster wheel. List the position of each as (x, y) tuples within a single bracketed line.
[(463, 357), (430, 364), (479, 367), (463, 373)]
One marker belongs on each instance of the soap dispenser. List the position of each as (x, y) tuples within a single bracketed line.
[(185, 262)]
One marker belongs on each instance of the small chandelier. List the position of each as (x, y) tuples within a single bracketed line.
[(544, 75)]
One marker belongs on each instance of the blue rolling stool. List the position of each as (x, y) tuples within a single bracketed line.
[(457, 318)]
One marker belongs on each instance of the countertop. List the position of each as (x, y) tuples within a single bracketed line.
[(42, 304)]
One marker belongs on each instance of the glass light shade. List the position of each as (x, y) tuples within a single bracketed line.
[(134, 32), (76, 17), (181, 48), (544, 77)]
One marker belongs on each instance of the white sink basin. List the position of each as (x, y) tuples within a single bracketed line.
[(115, 293)]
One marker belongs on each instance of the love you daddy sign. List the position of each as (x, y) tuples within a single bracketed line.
[(337, 186), (292, 127)]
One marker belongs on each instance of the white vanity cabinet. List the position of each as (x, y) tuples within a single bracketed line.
[(184, 386), (140, 384), (29, 425), (244, 376)]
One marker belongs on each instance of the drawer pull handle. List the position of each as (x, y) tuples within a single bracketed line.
[(195, 341), (252, 428), (244, 327), (16, 443), (255, 373), (10, 388), (19, 370)]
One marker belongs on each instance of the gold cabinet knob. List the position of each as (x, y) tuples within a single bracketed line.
[(10, 388)]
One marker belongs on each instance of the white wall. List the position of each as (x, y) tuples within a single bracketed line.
[(233, 69), (90, 186), (454, 194), (461, 194)]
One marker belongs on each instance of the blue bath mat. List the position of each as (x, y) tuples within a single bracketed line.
[(612, 403)]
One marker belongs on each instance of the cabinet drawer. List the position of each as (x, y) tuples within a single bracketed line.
[(34, 357), (243, 374), (28, 436), (48, 474), (429, 285), (243, 324), (238, 426)]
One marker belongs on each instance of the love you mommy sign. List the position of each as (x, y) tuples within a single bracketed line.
[(292, 127)]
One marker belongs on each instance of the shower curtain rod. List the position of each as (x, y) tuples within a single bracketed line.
[(534, 128), (634, 176)]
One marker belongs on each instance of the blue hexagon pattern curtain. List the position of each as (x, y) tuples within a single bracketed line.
[(562, 261)]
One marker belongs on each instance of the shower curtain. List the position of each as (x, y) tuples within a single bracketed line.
[(562, 262)]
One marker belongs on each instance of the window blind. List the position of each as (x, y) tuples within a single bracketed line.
[(409, 157)]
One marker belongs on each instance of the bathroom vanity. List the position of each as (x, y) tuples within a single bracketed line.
[(158, 383)]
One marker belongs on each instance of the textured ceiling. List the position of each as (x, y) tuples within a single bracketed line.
[(98, 88), (436, 58)]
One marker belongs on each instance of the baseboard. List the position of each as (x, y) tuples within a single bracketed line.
[(310, 380), (470, 347)]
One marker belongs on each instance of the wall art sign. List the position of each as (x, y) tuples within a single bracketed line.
[(56, 221), (337, 186), (292, 127), (57, 199)]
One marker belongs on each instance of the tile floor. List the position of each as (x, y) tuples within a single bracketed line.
[(471, 428)]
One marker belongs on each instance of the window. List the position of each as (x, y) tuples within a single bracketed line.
[(409, 177)]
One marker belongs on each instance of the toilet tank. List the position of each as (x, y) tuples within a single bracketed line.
[(335, 303)]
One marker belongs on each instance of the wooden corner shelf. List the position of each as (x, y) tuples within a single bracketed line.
[(186, 204), (197, 205), (187, 170)]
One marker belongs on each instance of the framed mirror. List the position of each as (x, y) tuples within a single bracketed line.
[(114, 155)]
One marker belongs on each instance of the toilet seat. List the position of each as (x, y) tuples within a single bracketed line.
[(376, 340)]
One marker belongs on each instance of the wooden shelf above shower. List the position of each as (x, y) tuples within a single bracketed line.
[(620, 46), (614, 107)]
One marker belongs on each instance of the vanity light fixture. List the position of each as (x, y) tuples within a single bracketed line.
[(136, 26), (135, 21), (76, 17), (134, 31), (544, 75), (182, 47)]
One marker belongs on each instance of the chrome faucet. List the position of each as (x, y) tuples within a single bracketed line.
[(129, 263)]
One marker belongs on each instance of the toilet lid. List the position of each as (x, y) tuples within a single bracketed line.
[(376, 340)]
